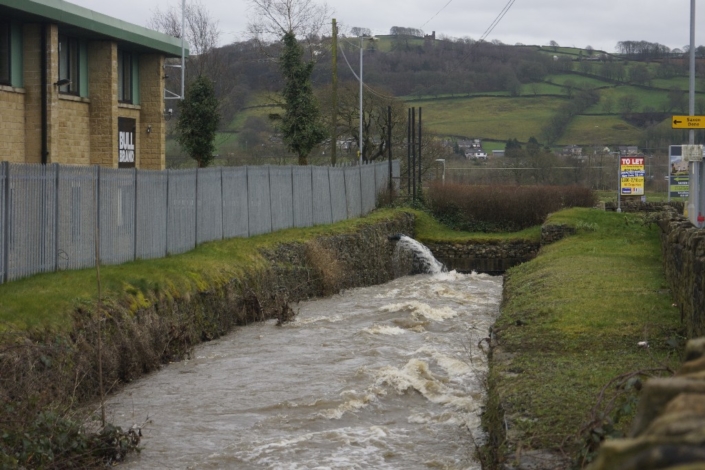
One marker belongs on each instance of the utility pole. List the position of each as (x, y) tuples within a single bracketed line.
[(334, 120), (695, 168)]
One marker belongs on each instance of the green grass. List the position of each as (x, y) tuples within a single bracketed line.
[(429, 229), (47, 301), (580, 81), (600, 130), (490, 118), (571, 321), (541, 88)]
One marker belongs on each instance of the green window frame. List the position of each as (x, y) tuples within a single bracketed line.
[(5, 53), (69, 65), (128, 77)]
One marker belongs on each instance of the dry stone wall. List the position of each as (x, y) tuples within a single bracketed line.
[(683, 250), (669, 429)]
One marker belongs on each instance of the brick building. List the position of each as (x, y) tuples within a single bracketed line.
[(81, 88)]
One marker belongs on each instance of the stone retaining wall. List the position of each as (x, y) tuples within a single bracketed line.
[(684, 263), (484, 256), (136, 341), (668, 431)]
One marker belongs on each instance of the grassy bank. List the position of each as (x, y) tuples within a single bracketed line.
[(47, 301), (571, 321)]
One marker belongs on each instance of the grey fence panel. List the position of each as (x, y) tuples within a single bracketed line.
[(31, 219), (321, 196), (117, 215), (369, 188), (338, 197), (76, 217), (151, 222), (258, 200), (352, 191), (396, 174), (382, 177), (235, 218), (181, 231), (280, 186), (303, 196), (4, 223), (210, 205)]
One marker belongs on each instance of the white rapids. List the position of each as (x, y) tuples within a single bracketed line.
[(386, 377)]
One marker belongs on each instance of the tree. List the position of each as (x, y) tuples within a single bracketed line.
[(272, 19), (375, 119), (607, 104), (301, 123), (202, 34), (676, 99), (640, 74), (198, 121), (627, 104), (554, 45)]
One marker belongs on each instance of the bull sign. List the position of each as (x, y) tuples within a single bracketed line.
[(631, 176)]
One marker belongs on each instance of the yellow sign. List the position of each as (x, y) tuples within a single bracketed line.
[(632, 174), (688, 122)]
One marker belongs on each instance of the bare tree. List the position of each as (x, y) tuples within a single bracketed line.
[(202, 34), (272, 19)]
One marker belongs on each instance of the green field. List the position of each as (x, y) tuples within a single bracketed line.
[(600, 130), (490, 118), (580, 81)]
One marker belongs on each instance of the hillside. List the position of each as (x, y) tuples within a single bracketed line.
[(482, 90)]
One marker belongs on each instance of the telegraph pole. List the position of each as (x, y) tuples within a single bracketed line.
[(334, 129)]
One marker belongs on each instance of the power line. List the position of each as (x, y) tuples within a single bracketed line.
[(437, 13), (497, 19)]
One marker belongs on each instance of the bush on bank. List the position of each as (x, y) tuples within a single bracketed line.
[(495, 208)]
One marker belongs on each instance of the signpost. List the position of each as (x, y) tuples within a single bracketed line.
[(678, 175), (632, 173), (688, 122)]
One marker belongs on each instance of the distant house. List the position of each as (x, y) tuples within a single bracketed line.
[(572, 151), (628, 150), (498, 153), (472, 148)]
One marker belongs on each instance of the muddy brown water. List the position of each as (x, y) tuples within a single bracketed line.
[(385, 377)]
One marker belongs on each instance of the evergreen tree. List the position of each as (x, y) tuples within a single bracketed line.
[(301, 123), (198, 121)]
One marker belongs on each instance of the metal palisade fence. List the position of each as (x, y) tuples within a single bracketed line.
[(50, 215)]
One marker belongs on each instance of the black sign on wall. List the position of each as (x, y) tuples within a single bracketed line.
[(127, 130)]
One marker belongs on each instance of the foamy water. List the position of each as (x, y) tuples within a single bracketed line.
[(387, 377)]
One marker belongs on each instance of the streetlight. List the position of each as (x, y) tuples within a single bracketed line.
[(362, 38), (443, 161)]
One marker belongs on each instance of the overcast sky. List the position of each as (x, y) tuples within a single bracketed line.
[(598, 23)]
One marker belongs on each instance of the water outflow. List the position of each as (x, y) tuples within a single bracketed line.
[(387, 377), (423, 260)]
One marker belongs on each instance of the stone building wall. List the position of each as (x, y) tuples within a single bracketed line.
[(12, 117), (152, 147), (74, 131)]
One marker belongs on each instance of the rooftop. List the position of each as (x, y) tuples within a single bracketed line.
[(91, 24)]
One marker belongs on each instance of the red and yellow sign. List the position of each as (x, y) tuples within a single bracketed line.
[(632, 172)]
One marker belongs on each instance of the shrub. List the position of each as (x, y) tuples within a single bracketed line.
[(502, 208)]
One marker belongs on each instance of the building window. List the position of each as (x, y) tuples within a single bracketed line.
[(5, 75), (69, 65), (124, 77)]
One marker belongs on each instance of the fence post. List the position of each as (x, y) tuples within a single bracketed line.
[(166, 230), (6, 222), (222, 206), (195, 211), (56, 215), (97, 213), (134, 225), (330, 196), (247, 197), (362, 198), (269, 184)]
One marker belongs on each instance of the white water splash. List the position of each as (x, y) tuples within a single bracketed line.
[(427, 263)]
